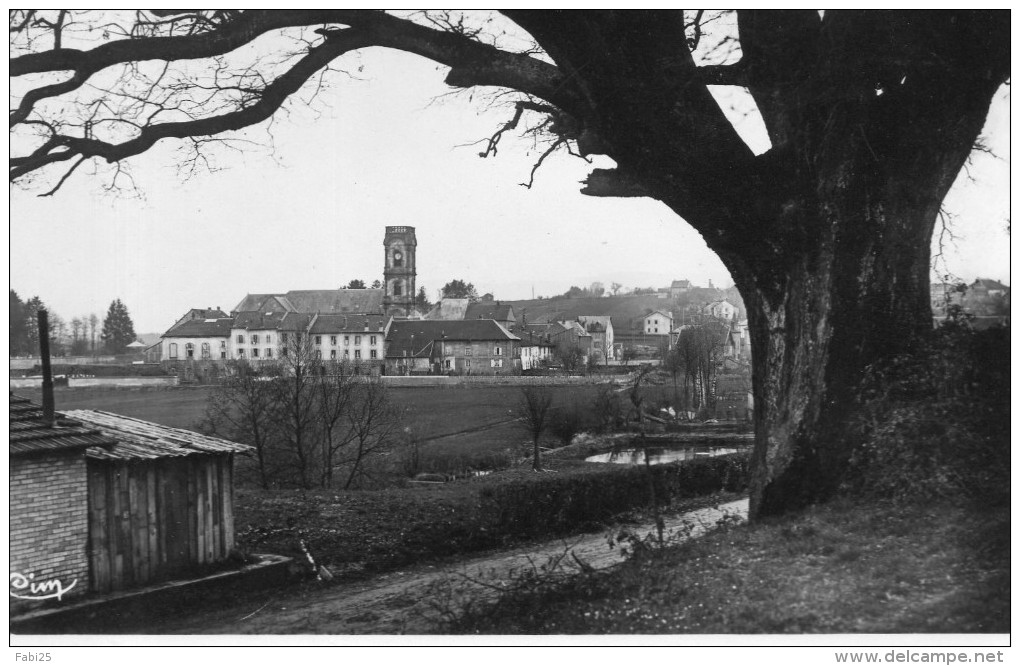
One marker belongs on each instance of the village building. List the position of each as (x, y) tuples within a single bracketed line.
[(467, 347), (359, 339), (721, 310), (502, 313), (679, 288), (657, 323), (602, 336), (567, 335), (101, 502)]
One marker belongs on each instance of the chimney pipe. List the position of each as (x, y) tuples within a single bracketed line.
[(44, 353)]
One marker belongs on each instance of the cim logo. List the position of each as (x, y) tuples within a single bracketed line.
[(28, 588)]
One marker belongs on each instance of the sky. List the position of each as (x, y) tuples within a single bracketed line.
[(307, 209)]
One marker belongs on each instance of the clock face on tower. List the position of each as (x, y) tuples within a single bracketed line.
[(398, 258)]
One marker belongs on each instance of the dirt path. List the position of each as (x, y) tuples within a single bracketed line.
[(410, 601)]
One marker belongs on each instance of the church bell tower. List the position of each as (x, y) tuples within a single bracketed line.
[(399, 271)]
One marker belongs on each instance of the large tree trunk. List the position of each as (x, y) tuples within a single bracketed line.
[(858, 296)]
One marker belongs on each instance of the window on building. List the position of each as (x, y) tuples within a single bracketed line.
[(318, 353), (347, 340), (332, 353), (467, 350), (189, 350), (254, 353), (318, 339), (240, 353), (373, 354), (269, 339), (206, 350), (347, 353), (371, 340), (254, 339), (283, 338), (398, 288), (240, 339), (332, 341), (448, 363), (173, 350), (357, 353), (357, 339), (498, 351), (284, 351), (269, 352)]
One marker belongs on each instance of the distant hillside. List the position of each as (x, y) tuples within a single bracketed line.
[(623, 309)]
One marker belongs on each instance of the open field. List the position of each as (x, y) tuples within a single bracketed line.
[(431, 411)]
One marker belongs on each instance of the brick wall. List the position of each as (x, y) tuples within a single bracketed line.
[(49, 521)]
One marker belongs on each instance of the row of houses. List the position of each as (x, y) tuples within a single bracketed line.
[(267, 327)]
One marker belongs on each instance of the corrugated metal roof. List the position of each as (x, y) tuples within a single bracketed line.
[(143, 440), (28, 433)]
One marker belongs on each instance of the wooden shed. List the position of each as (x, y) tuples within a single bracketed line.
[(160, 501)]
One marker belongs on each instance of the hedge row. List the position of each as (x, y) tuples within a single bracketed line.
[(553, 503)]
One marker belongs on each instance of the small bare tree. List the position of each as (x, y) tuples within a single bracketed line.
[(534, 409), (334, 391), (372, 425), (241, 409)]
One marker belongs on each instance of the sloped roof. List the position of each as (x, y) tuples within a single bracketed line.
[(334, 323), (326, 301), (588, 321), (412, 337), (201, 328), (29, 434), (282, 321), (490, 310), (251, 303), (991, 285), (135, 439), (449, 309), (680, 284)]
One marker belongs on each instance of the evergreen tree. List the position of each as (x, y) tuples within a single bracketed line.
[(422, 300), (355, 284), (18, 329), (31, 310), (118, 329)]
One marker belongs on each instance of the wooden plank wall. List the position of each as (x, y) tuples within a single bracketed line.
[(154, 520)]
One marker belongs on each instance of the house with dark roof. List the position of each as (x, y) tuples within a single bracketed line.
[(196, 346), (359, 339), (679, 287), (310, 301), (101, 502), (465, 347), (602, 335), (495, 310), (571, 335)]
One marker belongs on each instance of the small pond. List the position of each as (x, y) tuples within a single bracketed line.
[(661, 455)]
